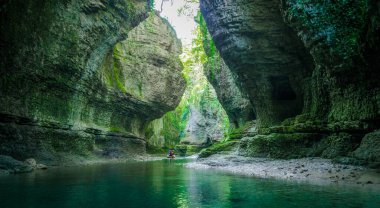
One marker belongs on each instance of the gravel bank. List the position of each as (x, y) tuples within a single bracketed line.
[(313, 170)]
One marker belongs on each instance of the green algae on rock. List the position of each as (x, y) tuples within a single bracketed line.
[(66, 91), (308, 67), (230, 95), (369, 149)]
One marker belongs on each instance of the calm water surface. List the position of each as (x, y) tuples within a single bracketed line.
[(164, 184)]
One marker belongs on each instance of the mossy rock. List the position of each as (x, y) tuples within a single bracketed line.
[(218, 148), (238, 133), (187, 150), (283, 146), (369, 149), (338, 145)]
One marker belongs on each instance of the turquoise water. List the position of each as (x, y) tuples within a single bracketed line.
[(164, 184)]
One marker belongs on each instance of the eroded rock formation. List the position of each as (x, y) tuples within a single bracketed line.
[(271, 62), (229, 92), (309, 61), (67, 90)]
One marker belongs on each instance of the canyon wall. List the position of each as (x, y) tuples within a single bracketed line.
[(310, 70), (76, 80), (229, 91)]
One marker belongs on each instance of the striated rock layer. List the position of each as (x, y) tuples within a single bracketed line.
[(230, 94), (67, 87), (313, 62), (264, 52)]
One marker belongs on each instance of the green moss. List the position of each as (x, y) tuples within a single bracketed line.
[(117, 72), (218, 147), (115, 129), (238, 133), (338, 24), (187, 150), (338, 145), (283, 146), (140, 88)]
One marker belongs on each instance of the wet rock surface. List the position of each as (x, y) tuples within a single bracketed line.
[(10, 165)]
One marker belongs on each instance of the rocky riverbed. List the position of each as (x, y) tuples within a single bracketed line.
[(311, 170)]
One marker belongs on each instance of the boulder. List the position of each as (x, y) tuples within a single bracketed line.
[(369, 149), (31, 162), (11, 165)]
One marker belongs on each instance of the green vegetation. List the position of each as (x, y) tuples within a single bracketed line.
[(297, 145), (338, 24), (212, 55), (238, 133), (169, 130), (219, 147)]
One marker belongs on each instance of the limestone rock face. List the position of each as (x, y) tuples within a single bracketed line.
[(314, 63), (203, 127), (147, 67), (229, 92), (342, 38), (61, 99), (291, 56), (269, 59), (234, 102)]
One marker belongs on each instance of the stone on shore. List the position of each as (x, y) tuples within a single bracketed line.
[(11, 165)]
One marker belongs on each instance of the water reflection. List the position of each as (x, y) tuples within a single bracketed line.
[(164, 184)]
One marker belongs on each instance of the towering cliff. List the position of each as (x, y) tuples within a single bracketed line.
[(73, 84), (230, 94), (269, 59), (314, 62)]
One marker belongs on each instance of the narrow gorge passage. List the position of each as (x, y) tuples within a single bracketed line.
[(265, 103)]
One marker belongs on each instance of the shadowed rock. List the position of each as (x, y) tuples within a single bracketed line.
[(268, 58), (60, 97)]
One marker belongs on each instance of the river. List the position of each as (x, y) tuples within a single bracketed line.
[(169, 184)]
